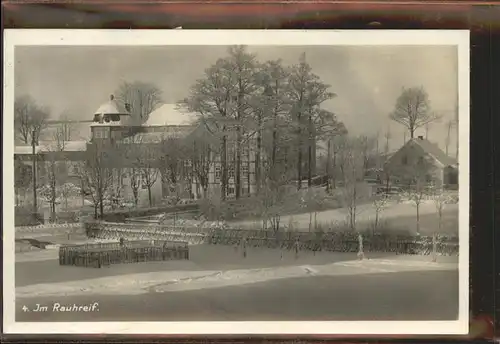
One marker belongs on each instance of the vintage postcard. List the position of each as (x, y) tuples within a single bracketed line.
[(236, 182)]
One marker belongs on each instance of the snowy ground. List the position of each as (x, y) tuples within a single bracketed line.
[(170, 281), (366, 213)]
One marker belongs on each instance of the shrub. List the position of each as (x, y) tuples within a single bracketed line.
[(24, 217), (122, 215)]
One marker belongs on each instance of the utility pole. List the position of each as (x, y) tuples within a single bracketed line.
[(33, 148)]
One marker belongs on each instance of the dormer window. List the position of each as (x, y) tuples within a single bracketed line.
[(97, 118)]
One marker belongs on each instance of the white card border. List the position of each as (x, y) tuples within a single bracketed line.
[(37, 37)]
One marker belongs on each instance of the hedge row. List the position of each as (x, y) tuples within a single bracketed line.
[(27, 218), (122, 215), (336, 241), (24, 217), (346, 241)]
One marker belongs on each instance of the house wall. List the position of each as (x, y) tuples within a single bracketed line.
[(247, 172), (407, 157)]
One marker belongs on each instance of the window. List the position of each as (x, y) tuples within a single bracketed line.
[(101, 133), (230, 190), (421, 160), (405, 160), (217, 174), (428, 178)]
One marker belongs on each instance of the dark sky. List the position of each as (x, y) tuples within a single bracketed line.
[(366, 79)]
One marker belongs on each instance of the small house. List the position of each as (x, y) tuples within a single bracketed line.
[(443, 168)]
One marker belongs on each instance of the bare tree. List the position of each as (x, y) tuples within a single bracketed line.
[(338, 143), (416, 194), (273, 115), (68, 190), (29, 118), (306, 93), (148, 170), (313, 200), (412, 109), (133, 151), (367, 146), (142, 98), (380, 203), (134, 175), (269, 203), (199, 150), (65, 129), (441, 200), (419, 178), (245, 66), (114, 194), (56, 172), (353, 190), (96, 175), (223, 99), (211, 97), (175, 164)]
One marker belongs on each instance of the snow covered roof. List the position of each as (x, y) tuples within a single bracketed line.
[(436, 152), (111, 107), (167, 132), (170, 114), (25, 150), (51, 146)]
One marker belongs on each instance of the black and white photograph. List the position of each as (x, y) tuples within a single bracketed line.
[(236, 181)]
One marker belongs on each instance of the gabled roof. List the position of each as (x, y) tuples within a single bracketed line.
[(434, 151)]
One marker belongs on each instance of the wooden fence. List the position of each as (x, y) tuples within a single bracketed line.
[(104, 254)]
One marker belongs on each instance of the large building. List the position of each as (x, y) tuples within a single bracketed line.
[(143, 155)]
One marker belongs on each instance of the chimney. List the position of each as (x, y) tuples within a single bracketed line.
[(420, 137), (127, 107), (112, 97)]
